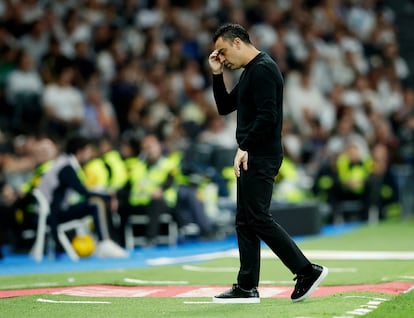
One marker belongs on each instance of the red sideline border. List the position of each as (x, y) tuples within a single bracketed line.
[(389, 288)]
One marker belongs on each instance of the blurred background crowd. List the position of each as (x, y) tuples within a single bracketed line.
[(124, 70)]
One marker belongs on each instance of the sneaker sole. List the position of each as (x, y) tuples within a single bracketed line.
[(321, 277), (249, 300)]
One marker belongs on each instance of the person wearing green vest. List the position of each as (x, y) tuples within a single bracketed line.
[(115, 165), (141, 194), (96, 173), (289, 183), (106, 170), (352, 172)]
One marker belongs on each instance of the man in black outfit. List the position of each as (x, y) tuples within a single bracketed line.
[(257, 97)]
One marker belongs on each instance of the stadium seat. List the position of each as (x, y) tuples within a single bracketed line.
[(136, 237), (81, 226), (348, 210)]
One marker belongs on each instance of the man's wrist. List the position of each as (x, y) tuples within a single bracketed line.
[(217, 73)]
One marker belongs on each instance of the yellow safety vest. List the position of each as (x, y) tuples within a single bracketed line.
[(37, 175), (356, 173), (96, 174), (118, 174), (146, 180)]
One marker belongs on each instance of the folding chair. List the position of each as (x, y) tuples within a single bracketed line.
[(132, 238), (81, 226), (37, 250)]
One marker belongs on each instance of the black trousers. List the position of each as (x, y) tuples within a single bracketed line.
[(78, 211), (254, 222), (153, 210)]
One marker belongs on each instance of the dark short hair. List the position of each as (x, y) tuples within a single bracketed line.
[(76, 142), (230, 31)]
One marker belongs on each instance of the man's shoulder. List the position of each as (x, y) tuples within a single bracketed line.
[(266, 66)]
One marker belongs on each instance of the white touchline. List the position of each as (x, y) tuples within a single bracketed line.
[(312, 254), (366, 308), (16, 286), (155, 282), (192, 268), (192, 258), (407, 277), (276, 282), (197, 302), (42, 300), (342, 270), (409, 290)]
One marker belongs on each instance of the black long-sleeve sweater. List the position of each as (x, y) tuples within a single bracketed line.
[(257, 97)]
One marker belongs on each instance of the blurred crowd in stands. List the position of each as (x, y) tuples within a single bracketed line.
[(134, 72)]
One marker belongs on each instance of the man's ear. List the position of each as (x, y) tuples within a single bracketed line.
[(237, 42)]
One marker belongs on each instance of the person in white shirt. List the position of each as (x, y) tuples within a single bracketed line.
[(24, 87), (63, 103)]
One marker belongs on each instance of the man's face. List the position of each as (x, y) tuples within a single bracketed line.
[(229, 52), (85, 154), (151, 147)]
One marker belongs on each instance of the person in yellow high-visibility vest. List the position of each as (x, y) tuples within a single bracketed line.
[(111, 156), (141, 192), (158, 182), (106, 170), (353, 172), (96, 174)]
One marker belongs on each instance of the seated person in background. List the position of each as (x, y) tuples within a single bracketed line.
[(25, 216), (152, 190), (344, 178), (69, 199), (143, 192), (165, 170), (383, 194), (353, 172), (106, 171), (8, 197)]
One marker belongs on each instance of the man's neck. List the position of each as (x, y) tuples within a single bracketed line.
[(252, 52)]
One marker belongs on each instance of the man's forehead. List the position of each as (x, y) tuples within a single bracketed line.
[(221, 45)]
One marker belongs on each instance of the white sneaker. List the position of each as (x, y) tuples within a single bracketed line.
[(190, 229), (109, 249)]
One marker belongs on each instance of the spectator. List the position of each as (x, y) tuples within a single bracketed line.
[(148, 64), (51, 62), (63, 104), (123, 89), (36, 41), (100, 118), (345, 132), (218, 132), (8, 197), (141, 195), (403, 122), (353, 171), (306, 103), (24, 89), (383, 189), (86, 70)]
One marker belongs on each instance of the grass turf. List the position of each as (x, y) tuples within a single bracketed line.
[(389, 236)]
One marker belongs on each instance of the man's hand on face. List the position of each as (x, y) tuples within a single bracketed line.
[(215, 63)]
